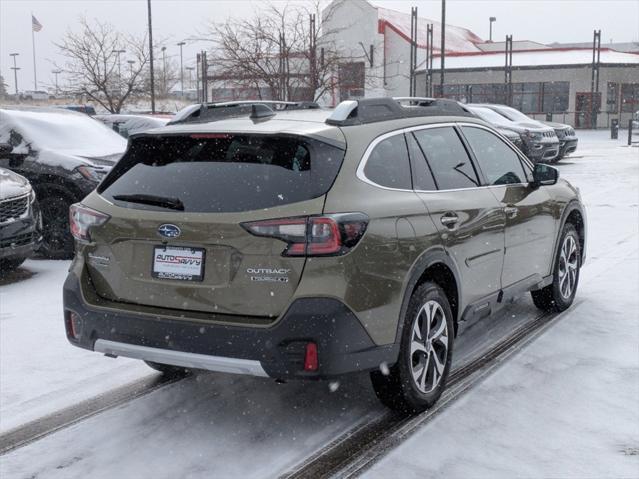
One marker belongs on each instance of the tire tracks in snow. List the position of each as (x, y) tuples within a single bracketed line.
[(44, 426)]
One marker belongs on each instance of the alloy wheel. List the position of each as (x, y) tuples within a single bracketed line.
[(568, 265), (429, 346)]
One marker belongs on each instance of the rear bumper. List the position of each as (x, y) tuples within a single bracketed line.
[(277, 351)]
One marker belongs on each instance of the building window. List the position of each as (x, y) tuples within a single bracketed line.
[(487, 93), (527, 97), (556, 96), (351, 80), (629, 97), (612, 97)]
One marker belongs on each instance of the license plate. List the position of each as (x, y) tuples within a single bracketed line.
[(178, 263)]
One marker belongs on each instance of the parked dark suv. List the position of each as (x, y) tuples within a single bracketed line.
[(64, 155), (313, 243), (20, 221)]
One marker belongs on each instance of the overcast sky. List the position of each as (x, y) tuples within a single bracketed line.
[(544, 21)]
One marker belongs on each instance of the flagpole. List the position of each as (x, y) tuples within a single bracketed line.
[(35, 75)]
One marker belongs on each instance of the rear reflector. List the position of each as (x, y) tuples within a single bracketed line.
[(72, 324), (311, 362), (330, 235)]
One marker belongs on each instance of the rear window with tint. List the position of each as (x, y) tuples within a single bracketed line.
[(224, 173)]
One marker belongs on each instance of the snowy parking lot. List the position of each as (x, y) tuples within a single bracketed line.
[(564, 405)]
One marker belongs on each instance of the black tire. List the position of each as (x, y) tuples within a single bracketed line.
[(399, 389), (168, 370), (553, 297), (10, 265), (57, 241)]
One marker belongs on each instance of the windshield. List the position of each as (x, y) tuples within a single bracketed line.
[(512, 114), (490, 116), (222, 172), (70, 133)]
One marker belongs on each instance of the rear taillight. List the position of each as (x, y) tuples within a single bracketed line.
[(81, 219), (330, 235)]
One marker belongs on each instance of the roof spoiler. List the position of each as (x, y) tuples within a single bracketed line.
[(370, 110), (254, 109)]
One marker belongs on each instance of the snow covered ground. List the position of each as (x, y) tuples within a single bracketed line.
[(40, 373), (566, 406)]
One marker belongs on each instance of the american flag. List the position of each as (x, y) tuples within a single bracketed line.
[(35, 24)]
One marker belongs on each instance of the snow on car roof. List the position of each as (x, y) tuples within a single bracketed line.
[(545, 57), (457, 39), (61, 130)]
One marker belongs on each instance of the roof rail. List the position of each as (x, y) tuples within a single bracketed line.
[(370, 110), (255, 109)]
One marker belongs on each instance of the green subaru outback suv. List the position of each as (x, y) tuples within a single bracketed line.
[(291, 241)]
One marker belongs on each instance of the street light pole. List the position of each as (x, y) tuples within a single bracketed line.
[(131, 62), (164, 70), (181, 44), (15, 71), (117, 52), (148, 3), (490, 34), (56, 72), (443, 48)]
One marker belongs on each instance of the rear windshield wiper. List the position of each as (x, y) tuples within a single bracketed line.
[(164, 202)]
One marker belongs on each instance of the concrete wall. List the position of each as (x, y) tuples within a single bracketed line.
[(579, 78)]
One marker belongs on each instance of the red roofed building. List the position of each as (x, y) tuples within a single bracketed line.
[(375, 43)]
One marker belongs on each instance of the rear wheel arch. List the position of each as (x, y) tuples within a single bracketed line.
[(437, 267)]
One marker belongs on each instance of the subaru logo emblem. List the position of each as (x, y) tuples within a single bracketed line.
[(169, 231)]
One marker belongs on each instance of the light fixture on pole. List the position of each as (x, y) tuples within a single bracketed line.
[(190, 69), (15, 70), (118, 52), (181, 44), (56, 73), (490, 34), (131, 62)]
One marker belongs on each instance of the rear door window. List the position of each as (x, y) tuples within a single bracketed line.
[(447, 157), (423, 179), (499, 163), (388, 164), (224, 172)]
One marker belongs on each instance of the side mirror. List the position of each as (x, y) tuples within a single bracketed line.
[(5, 149), (544, 175)]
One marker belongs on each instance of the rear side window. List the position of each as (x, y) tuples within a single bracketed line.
[(447, 158), (224, 173), (422, 176), (388, 164), (499, 163)]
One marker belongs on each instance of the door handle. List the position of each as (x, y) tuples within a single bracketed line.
[(511, 211), (449, 219)]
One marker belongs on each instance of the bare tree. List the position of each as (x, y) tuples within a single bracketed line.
[(165, 81), (104, 65), (276, 53), (3, 87)]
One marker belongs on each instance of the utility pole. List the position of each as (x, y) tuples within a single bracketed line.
[(15, 71), (181, 44), (56, 73), (190, 70), (443, 48), (490, 34), (429, 60), (594, 85), (413, 52), (148, 3), (508, 70), (164, 70)]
